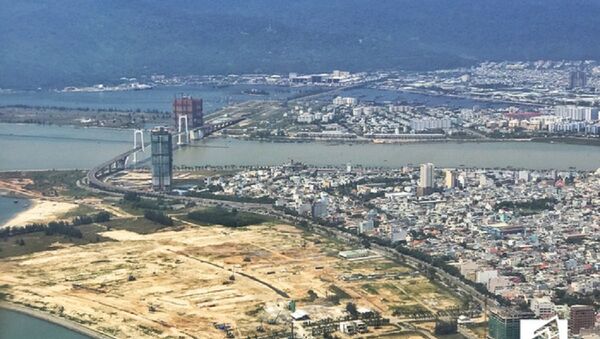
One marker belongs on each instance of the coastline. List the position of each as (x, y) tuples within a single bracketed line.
[(68, 324), (39, 211)]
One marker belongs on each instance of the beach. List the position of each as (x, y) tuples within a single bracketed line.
[(42, 211)]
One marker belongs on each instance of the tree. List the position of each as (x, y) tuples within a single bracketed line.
[(102, 217), (351, 309)]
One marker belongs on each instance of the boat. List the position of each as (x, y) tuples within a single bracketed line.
[(255, 91)]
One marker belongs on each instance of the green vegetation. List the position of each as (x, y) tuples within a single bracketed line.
[(138, 225), (409, 309), (234, 198), (534, 205), (351, 309), (89, 219), (11, 246), (133, 201), (228, 218), (57, 227), (443, 327), (4, 291), (158, 217), (312, 296), (51, 183), (337, 295)]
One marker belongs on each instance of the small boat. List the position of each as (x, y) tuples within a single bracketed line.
[(255, 91), (16, 201)]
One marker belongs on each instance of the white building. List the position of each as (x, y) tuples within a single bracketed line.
[(577, 113), (426, 175), (484, 277), (366, 226), (425, 124), (345, 101), (542, 307)]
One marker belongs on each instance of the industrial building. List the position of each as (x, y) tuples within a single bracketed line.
[(190, 108), (161, 142)]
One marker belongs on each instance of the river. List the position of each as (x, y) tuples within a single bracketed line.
[(26, 147)]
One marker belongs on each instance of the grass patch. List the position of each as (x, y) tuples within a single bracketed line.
[(138, 225), (225, 217), (408, 309), (38, 241)]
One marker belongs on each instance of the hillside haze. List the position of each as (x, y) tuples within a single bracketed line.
[(67, 42)]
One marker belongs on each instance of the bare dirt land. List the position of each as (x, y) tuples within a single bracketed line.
[(180, 283)]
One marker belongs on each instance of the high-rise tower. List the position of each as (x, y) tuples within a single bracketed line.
[(426, 179), (161, 142), (190, 107)]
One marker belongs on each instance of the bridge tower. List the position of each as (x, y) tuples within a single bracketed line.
[(184, 119), (137, 132)]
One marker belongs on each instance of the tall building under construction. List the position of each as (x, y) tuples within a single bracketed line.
[(187, 106), (161, 142)]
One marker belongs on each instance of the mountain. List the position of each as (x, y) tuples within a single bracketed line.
[(75, 42)]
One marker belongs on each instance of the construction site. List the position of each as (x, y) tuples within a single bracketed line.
[(206, 282)]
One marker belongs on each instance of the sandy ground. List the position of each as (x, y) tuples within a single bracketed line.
[(40, 211), (179, 283)]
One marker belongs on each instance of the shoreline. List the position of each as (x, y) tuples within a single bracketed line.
[(539, 140), (52, 319), (39, 211), (534, 139)]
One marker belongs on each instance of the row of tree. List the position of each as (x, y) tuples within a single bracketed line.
[(66, 228), (90, 219)]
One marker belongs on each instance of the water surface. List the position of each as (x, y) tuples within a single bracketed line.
[(15, 325), (9, 207)]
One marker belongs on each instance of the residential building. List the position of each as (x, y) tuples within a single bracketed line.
[(582, 316)]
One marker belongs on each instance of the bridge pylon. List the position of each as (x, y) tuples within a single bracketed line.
[(180, 128), (137, 132)]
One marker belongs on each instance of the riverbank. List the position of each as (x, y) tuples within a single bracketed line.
[(361, 140), (70, 325)]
